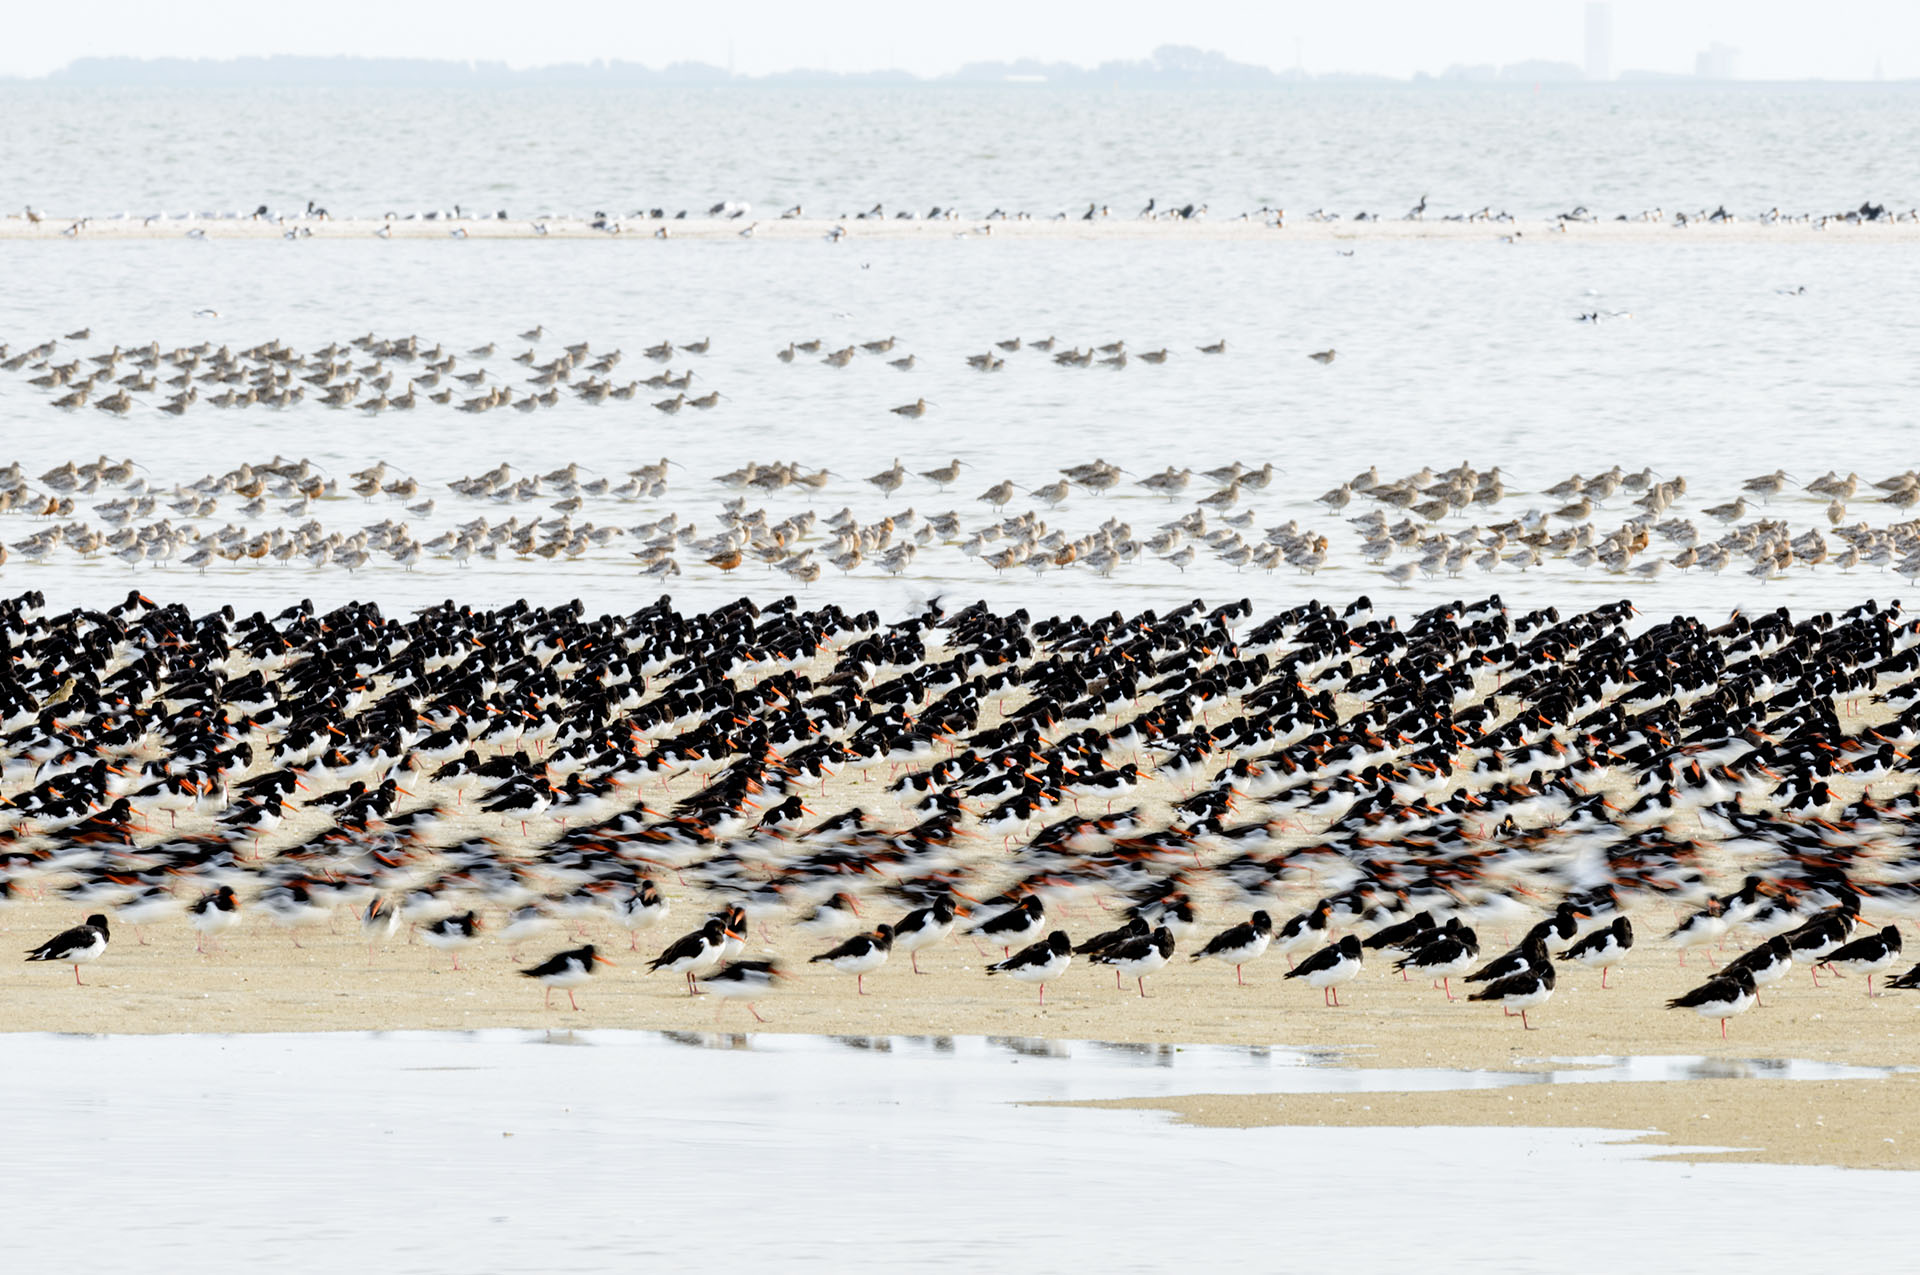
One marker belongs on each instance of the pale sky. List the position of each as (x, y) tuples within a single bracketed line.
[(1776, 39)]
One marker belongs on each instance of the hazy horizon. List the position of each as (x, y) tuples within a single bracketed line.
[(1397, 39)]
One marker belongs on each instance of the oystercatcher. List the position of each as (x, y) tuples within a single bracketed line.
[(213, 914), (568, 970), (76, 946), (378, 923), (1107, 940), (859, 956), (1604, 948), (1017, 925), (1531, 953), (1447, 952), (1703, 929), (1299, 931), (1239, 944), (1332, 965), (1819, 938), (742, 980), (923, 927), (1521, 991), (1768, 963), (1907, 982), (1867, 955), (1039, 963), (694, 954), (452, 934), (1727, 993), (1138, 957), (636, 907)]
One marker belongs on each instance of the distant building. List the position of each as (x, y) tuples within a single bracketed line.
[(1599, 40), (1717, 62)]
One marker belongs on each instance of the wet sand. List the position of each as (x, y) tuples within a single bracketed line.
[(1851, 1124), (1295, 229), (260, 982)]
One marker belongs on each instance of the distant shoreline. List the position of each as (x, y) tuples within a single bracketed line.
[(16, 227), (1169, 66)]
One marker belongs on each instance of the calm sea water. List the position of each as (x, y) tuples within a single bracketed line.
[(433, 1152), (1448, 350), (837, 150)]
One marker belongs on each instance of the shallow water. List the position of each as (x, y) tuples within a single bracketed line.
[(589, 1151), (1449, 351)]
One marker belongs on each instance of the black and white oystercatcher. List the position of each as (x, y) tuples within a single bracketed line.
[(1138, 957), (742, 980), (566, 970), (1727, 993), (1040, 963), (859, 956), (923, 927), (1520, 992), (453, 934), (1867, 955), (1604, 948), (1448, 952), (1332, 965), (695, 954), (76, 946), (1247, 941)]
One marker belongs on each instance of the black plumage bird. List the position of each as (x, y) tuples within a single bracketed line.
[(76, 946), (859, 956), (1868, 955), (1727, 993), (1332, 965), (566, 970), (1605, 947), (1039, 963), (1522, 991), (1138, 957), (1446, 953), (1239, 944)]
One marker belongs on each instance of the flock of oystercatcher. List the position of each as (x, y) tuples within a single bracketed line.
[(1407, 783)]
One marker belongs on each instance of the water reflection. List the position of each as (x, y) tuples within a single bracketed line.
[(1032, 1046), (710, 1040)]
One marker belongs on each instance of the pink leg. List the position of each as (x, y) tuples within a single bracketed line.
[(570, 1000)]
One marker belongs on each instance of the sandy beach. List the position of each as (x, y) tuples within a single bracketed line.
[(1300, 229)]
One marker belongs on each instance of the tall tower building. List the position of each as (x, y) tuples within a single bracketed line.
[(1599, 40)]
